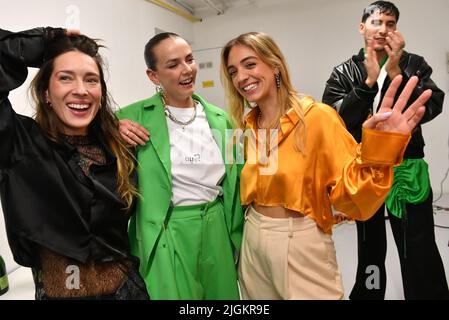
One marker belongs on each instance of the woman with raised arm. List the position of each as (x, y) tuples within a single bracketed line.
[(300, 160), (65, 174)]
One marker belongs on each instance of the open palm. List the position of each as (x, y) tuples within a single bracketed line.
[(390, 118)]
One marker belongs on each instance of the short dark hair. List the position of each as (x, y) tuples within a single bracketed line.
[(149, 55), (385, 7)]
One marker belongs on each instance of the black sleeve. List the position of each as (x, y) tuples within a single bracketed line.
[(18, 51), (417, 66), (353, 101)]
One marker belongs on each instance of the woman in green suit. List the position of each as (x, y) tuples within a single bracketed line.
[(187, 229)]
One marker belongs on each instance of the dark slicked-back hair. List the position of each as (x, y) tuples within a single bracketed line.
[(150, 57), (384, 7)]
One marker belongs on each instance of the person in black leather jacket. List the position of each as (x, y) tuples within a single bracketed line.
[(65, 181), (355, 89)]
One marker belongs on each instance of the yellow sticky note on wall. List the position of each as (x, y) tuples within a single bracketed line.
[(208, 84)]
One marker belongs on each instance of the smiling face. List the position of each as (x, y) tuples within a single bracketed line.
[(74, 91), (176, 70), (252, 77), (376, 27)]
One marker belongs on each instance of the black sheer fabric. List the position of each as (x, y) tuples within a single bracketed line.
[(61, 197), (46, 197), (132, 287)]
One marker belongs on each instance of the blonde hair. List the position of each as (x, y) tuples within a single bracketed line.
[(268, 51)]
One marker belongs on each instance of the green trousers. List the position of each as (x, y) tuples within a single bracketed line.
[(193, 258)]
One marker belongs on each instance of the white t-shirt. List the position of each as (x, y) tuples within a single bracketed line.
[(197, 163), (380, 83)]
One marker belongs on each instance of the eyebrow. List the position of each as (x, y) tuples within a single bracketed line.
[(73, 72), (243, 61), (176, 59)]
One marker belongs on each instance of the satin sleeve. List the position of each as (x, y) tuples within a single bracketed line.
[(361, 175)]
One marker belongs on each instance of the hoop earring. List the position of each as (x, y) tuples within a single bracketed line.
[(278, 80)]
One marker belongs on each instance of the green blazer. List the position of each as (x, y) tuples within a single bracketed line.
[(155, 179)]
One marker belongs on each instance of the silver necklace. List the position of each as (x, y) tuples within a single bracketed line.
[(172, 117)]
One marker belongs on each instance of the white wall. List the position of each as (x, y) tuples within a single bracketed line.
[(124, 25), (317, 35), (314, 35)]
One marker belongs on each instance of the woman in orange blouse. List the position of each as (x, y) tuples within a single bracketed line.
[(305, 162)]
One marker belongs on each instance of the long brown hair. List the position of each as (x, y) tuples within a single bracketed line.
[(104, 126), (268, 51)]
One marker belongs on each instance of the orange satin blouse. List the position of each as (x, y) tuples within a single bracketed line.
[(335, 170)]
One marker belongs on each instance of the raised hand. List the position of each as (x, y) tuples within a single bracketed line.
[(394, 49), (390, 118), (72, 32), (371, 64), (133, 133)]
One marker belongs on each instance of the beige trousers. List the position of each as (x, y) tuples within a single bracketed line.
[(287, 259)]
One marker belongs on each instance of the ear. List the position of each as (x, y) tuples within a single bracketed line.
[(362, 28), (152, 75), (276, 71)]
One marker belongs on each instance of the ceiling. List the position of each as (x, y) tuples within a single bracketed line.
[(197, 10), (206, 8)]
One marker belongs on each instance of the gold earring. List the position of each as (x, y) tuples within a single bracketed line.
[(278, 80)]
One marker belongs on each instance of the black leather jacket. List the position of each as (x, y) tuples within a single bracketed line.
[(347, 92), (46, 198)]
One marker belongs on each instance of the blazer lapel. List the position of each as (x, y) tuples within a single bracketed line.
[(154, 118)]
